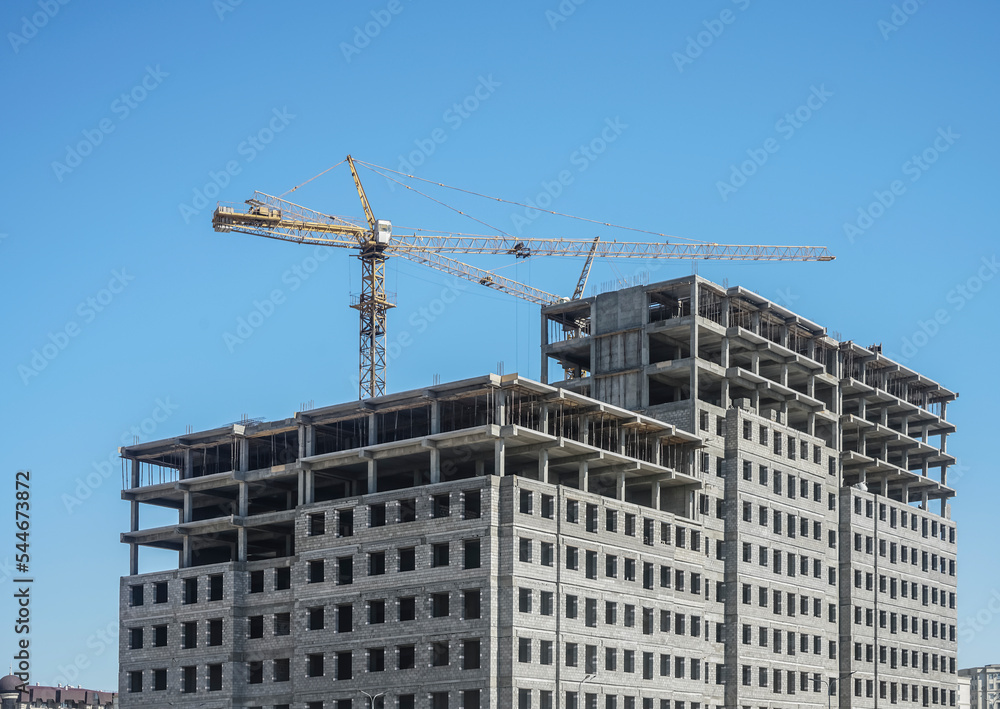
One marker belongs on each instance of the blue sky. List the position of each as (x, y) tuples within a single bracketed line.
[(867, 127)]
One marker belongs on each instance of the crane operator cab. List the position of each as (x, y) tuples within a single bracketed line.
[(383, 232)]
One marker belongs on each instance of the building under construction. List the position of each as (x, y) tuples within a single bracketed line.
[(717, 505)]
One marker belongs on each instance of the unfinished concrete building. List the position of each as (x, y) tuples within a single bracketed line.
[(719, 505)]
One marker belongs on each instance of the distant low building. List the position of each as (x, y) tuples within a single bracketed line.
[(16, 695), (964, 693), (984, 686)]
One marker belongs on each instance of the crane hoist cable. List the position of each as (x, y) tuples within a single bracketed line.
[(447, 206), (313, 178), (372, 167)]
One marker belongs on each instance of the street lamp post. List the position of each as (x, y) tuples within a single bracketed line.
[(829, 686), (579, 689)]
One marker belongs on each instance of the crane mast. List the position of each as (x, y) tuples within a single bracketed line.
[(373, 302)]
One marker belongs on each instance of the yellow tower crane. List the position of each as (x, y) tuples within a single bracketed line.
[(276, 218)]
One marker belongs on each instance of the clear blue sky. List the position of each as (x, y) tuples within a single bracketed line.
[(119, 115)]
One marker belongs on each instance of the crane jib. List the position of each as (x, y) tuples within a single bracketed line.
[(276, 218)]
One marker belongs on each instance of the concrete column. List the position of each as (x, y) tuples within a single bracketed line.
[(724, 357), (905, 489), (593, 340), (656, 494), (811, 423), (480, 468), (372, 429), (620, 486), (310, 440), (186, 551), (435, 417), (186, 510), (944, 410), (585, 429), (241, 544), (244, 448), (644, 355), (435, 466), (499, 457), (309, 486), (784, 374), (372, 476), (584, 476), (543, 465), (923, 501), (302, 439), (133, 548), (186, 472), (244, 499), (544, 339), (694, 356)]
